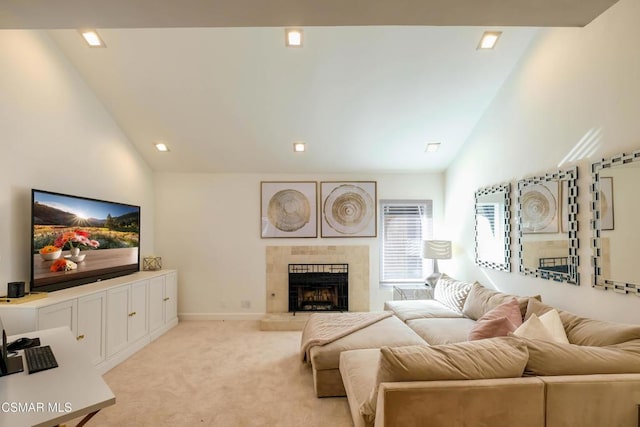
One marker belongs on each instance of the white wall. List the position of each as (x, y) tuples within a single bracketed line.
[(55, 135), (573, 99), (208, 227)]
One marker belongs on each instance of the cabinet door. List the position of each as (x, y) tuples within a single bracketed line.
[(91, 325), (117, 318), (57, 315), (171, 297), (138, 311), (156, 303)]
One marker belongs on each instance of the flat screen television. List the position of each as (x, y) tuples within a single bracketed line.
[(106, 233)]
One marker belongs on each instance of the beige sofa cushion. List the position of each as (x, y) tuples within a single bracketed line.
[(480, 300), (552, 358), (502, 357), (358, 369), (390, 331), (585, 331), (592, 400), (500, 402), (451, 292), (442, 331), (420, 309)]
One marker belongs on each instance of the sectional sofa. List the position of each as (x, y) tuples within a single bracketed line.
[(526, 364)]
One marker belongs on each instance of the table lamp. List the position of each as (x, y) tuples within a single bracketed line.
[(435, 250)]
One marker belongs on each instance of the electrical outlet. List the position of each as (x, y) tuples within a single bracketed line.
[(245, 304)]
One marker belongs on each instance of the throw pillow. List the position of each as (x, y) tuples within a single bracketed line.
[(534, 329), (492, 328), (503, 357), (481, 299), (509, 309), (552, 358), (589, 332), (536, 307), (552, 322), (498, 321), (451, 292)]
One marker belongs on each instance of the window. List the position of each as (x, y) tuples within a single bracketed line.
[(404, 225)]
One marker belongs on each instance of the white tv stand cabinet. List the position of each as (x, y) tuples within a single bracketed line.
[(111, 319)]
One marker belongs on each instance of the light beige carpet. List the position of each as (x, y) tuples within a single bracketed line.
[(219, 373)]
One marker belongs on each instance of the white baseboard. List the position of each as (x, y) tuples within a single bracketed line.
[(160, 331), (123, 355), (221, 316)]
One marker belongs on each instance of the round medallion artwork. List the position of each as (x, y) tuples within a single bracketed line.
[(289, 210), (348, 209), (538, 208)]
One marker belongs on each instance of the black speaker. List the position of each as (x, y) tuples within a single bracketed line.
[(15, 289)]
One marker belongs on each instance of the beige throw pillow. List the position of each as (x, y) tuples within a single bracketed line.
[(547, 327), (585, 331), (536, 307), (503, 357), (533, 329), (451, 292), (552, 322), (481, 299)]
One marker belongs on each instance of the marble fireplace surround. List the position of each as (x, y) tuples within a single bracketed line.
[(279, 257)]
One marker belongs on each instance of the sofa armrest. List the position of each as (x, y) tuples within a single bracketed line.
[(496, 402), (593, 400)]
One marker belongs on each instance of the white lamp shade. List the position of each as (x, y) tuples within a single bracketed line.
[(436, 249)]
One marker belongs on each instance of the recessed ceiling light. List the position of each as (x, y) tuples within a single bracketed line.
[(432, 147), (299, 147), (293, 37), (489, 39), (92, 38), (162, 147)]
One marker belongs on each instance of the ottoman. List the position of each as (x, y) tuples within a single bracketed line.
[(325, 359)]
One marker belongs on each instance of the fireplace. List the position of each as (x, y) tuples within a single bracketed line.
[(318, 287)]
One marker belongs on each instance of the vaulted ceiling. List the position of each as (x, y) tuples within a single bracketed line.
[(372, 85)]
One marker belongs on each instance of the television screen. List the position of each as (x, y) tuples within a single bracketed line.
[(77, 240)]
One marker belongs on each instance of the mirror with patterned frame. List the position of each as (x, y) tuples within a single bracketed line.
[(616, 235), (547, 212), (493, 227)]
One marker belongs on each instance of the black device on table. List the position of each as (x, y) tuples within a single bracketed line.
[(39, 359), (22, 343), (8, 365)]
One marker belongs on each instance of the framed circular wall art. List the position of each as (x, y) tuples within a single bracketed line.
[(288, 209), (348, 209)]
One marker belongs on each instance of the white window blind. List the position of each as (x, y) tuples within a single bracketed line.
[(490, 229), (405, 224)]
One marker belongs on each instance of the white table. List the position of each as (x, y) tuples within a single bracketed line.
[(48, 398), (403, 292)]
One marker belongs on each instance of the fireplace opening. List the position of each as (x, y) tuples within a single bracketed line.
[(318, 287)]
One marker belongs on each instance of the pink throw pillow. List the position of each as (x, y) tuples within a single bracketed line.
[(509, 309), (498, 322), (500, 327)]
